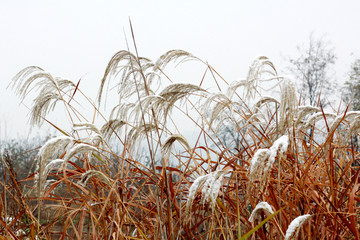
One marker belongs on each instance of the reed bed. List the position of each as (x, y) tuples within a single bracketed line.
[(292, 174)]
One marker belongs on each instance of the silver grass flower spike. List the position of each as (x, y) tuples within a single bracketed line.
[(260, 207), (136, 75), (50, 149), (94, 138), (318, 116), (85, 177), (52, 165), (112, 126), (79, 148), (162, 104), (172, 56), (353, 128), (136, 133), (260, 66), (349, 116), (40, 179), (121, 111), (51, 90), (262, 101), (303, 111), (287, 105), (146, 104), (263, 160), (293, 229), (210, 185), (222, 102), (233, 87), (86, 126), (177, 91), (166, 148)]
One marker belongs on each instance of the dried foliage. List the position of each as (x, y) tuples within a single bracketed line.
[(150, 188)]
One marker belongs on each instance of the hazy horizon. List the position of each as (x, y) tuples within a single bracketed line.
[(76, 39)]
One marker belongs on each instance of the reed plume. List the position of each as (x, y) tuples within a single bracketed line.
[(293, 230), (166, 148), (85, 177), (287, 105), (51, 90), (260, 207), (210, 185), (263, 160)]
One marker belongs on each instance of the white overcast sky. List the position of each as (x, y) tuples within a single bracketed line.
[(75, 39)]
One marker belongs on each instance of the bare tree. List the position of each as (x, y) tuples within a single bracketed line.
[(352, 86), (312, 67)]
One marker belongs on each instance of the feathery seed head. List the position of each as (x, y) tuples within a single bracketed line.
[(260, 66), (172, 56), (79, 148), (178, 91), (51, 91), (50, 149), (233, 87), (121, 111), (140, 131), (261, 206), (53, 147), (94, 173), (293, 229), (262, 101), (48, 168), (210, 184), (353, 128), (170, 140), (349, 117), (263, 160), (222, 102), (85, 126), (112, 126), (288, 104), (318, 116), (303, 111)]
